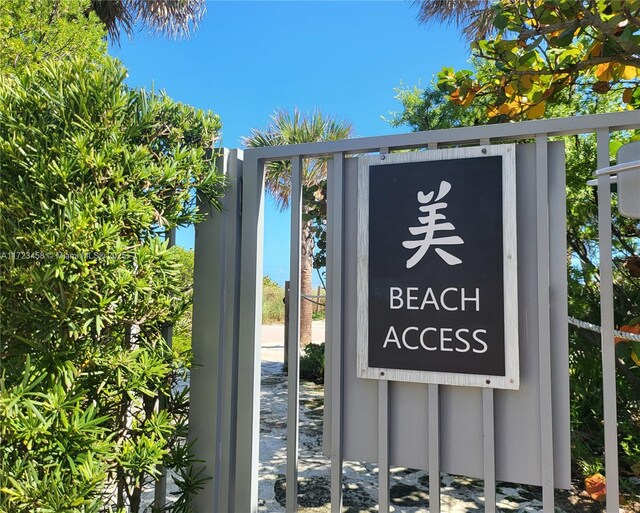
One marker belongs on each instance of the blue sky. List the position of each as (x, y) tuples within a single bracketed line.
[(248, 58)]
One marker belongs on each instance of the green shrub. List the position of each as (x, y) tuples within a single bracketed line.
[(272, 302), (586, 395), (182, 327), (93, 174), (312, 363), (40, 30)]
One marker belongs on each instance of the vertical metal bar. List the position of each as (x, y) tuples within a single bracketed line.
[(488, 434), (217, 393), (488, 444), (544, 322), (559, 312), (228, 384), (383, 435), (383, 446), (434, 433), (434, 448), (210, 282), (293, 374), (335, 223), (607, 321), (245, 495)]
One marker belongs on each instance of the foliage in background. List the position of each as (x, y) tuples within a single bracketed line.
[(425, 109), (272, 302), (312, 363), (295, 128), (35, 31), (315, 197), (584, 303), (93, 174), (542, 48), (429, 108), (181, 339)]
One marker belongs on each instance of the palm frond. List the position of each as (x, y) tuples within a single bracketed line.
[(475, 17), (115, 15), (171, 18), (295, 128)]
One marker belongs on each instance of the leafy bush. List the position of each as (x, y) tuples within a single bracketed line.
[(272, 302), (584, 303), (312, 363), (34, 32), (93, 175), (182, 326)]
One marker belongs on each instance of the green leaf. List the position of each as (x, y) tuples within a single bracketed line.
[(502, 20)]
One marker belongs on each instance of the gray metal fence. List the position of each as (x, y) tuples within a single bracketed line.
[(225, 386)]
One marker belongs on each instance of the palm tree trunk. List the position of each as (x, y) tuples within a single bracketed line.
[(306, 285)]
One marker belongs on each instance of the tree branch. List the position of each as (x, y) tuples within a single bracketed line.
[(579, 66)]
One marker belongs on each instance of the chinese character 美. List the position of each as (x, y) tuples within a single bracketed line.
[(430, 224)]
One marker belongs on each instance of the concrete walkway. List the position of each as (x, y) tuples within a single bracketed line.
[(273, 340)]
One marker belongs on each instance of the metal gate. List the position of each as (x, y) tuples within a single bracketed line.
[(225, 384)]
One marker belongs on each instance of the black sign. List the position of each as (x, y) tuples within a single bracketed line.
[(436, 294)]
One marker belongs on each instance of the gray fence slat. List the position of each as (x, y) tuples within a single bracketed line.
[(293, 365), (383, 435), (334, 322), (607, 323), (489, 451), (231, 320), (215, 310), (434, 448), (434, 432), (544, 322), (206, 344), (559, 314), (383, 446), (245, 494)]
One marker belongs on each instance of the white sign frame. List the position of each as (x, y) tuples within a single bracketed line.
[(511, 379)]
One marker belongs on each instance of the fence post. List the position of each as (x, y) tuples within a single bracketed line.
[(607, 321), (245, 473), (214, 377)]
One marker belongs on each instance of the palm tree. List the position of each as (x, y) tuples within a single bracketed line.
[(171, 18), (475, 17), (286, 128)]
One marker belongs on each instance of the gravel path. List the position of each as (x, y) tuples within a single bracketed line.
[(409, 488)]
